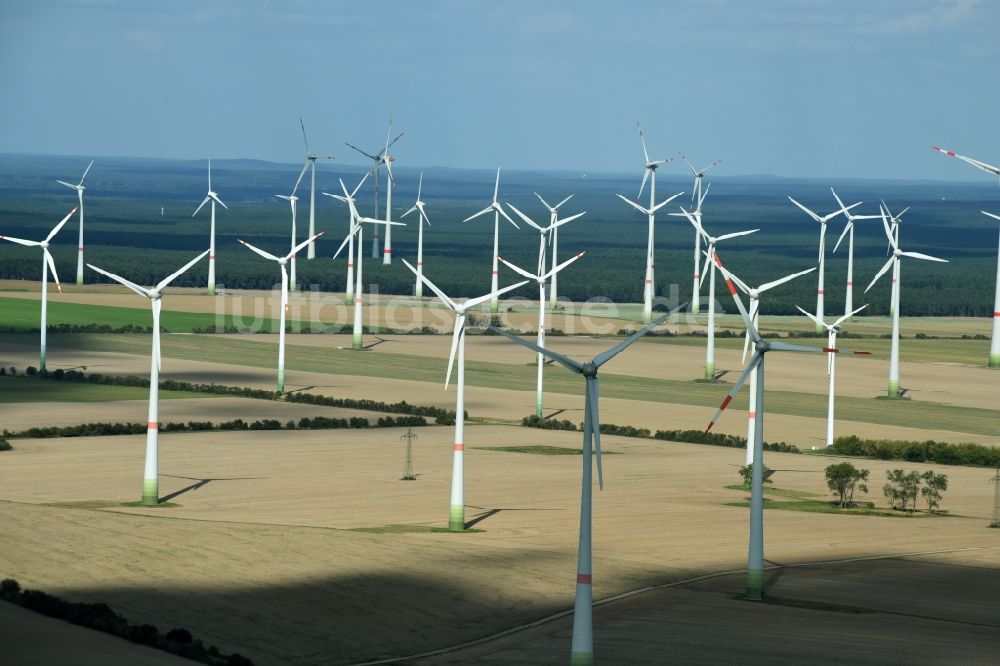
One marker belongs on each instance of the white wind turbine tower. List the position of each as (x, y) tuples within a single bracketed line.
[(583, 633), (79, 193), (311, 158), (697, 197), (755, 551), (47, 263), (293, 201), (849, 232), (419, 207), (895, 264), (356, 228), (894, 221), (650, 169), (554, 242), (831, 365), (822, 220), (150, 475), (456, 513), (711, 241), (352, 215), (282, 261), (381, 158), (211, 198), (540, 278), (754, 296), (994, 361), (497, 212)]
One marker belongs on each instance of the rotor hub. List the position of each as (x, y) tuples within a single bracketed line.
[(154, 295), (762, 346), (589, 369), (44, 244), (897, 252)]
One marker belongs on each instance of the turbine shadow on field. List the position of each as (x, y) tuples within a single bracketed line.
[(486, 513), (199, 483)]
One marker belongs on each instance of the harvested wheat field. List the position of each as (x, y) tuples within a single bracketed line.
[(305, 547)]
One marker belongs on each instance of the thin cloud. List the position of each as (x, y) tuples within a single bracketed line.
[(944, 13)]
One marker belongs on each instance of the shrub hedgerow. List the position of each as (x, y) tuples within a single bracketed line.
[(942, 453)]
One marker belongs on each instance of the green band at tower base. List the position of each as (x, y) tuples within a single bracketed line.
[(994, 361), (456, 519), (893, 389), (755, 585), (211, 289), (281, 381), (356, 343), (710, 371), (581, 658), (150, 492)]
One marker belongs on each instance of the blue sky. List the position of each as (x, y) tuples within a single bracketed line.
[(819, 88)]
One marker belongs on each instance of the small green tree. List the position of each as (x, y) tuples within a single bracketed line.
[(934, 487), (902, 489), (747, 473), (844, 479)]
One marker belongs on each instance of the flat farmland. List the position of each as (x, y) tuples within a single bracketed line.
[(304, 547)]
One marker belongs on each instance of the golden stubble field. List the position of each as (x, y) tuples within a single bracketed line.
[(266, 556)]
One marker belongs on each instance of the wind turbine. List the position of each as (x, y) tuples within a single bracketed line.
[(894, 222), (350, 200), (554, 241), (696, 199), (583, 635), (849, 232), (994, 361), (754, 295), (212, 198), (282, 261), (419, 207), (150, 475), (895, 264), (497, 212), (456, 513), (543, 232), (311, 158), (382, 157), (79, 193), (47, 263), (292, 200), (540, 278), (755, 554), (711, 241), (831, 365), (822, 220), (649, 174), (356, 228)]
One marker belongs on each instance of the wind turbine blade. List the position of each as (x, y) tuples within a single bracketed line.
[(976, 163), (131, 285), (556, 207), (565, 361), (995, 217), (751, 366), (518, 269), (665, 202), (52, 266), (524, 217), (69, 185), (21, 241), (201, 205), (424, 215), (266, 255), (770, 285), (433, 287), (347, 238), (488, 209), (173, 276), (847, 227), (358, 186), (219, 201), (368, 155), (456, 337), (882, 272), (297, 248), (634, 204), (59, 226), (744, 287), (412, 208), (593, 413), (694, 172), (754, 306), (500, 210), (888, 230), (808, 212), (645, 177), (645, 154), (420, 185), (86, 171), (848, 316), (739, 302), (918, 255), (562, 266), (298, 181), (695, 223), (604, 357), (738, 233), (473, 302), (813, 317), (394, 141), (567, 220), (545, 203), (496, 188), (304, 139)]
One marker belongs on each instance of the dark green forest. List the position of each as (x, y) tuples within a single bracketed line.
[(126, 233)]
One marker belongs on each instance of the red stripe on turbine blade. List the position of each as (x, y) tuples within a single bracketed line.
[(725, 403), (996, 314), (949, 152), (459, 446), (832, 350), (862, 353), (710, 424), (583, 579), (732, 287)]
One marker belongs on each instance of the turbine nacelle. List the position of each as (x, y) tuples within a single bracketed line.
[(589, 369)]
